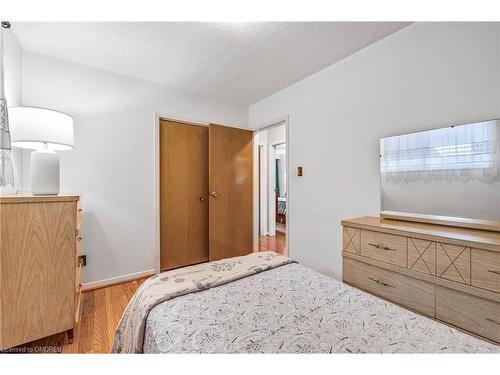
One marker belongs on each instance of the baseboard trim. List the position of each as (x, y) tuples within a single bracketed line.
[(117, 280)]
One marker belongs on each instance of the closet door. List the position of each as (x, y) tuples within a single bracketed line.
[(231, 191), (198, 194), (183, 194)]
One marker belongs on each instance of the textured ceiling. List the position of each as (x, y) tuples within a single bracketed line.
[(236, 62)]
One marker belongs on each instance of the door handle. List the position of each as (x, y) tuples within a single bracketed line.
[(493, 321), (381, 246), (214, 194), (202, 199), (380, 282)]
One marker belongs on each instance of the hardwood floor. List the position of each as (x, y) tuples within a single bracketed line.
[(101, 312), (274, 243), (281, 229)]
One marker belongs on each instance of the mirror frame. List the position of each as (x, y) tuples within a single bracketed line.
[(491, 225)]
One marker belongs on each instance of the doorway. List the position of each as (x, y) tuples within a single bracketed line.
[(272, 188)]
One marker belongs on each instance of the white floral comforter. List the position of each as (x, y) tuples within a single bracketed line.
[(129, 335), (292, 309)]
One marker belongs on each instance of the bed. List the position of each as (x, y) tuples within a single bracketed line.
[(283, 308)]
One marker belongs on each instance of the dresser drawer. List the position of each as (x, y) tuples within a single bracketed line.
[(78, 246), (422, 256), (409, 292), (78, 290), (485, 269), (351, 240), (385, 247), (78, 217), (453, 262), (474, 314), (78, 276), (78, 304)]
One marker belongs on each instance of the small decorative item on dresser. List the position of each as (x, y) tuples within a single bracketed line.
[(7, 183)]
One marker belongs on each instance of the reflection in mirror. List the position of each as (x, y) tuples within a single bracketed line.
[(281, 170), (281, 205), (451, 171)]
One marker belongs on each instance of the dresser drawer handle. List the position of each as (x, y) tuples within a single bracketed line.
[(380, 282), (493, 321), (79, 238), (382, 247), (495, 272)]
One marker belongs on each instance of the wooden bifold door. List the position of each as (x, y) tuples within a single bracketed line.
[(205, 193), (231, 192), (183, 194)]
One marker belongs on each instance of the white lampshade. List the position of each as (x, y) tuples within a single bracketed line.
[(33, 128)]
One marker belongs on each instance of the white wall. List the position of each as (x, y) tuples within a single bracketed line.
[(113, 163), (13, 68), (424, 76)]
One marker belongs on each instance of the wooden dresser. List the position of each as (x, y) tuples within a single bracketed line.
[(446, 273), (40, 244)]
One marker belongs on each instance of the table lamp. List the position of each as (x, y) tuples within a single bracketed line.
[(45, 131)]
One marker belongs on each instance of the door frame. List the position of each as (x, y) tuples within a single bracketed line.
[(284, 120), (169, 117)]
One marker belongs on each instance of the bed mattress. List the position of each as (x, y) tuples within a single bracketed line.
[(292, 309)]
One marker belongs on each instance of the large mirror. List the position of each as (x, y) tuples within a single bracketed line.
[(452, 171)]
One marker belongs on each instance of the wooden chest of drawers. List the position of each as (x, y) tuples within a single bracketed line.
[(39, 268), (449, 274)]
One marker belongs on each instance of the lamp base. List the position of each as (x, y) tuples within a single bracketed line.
[(44, 173)]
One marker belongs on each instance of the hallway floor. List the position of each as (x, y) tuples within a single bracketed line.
[(274, 243)]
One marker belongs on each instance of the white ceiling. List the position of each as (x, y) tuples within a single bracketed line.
[(236, 62)]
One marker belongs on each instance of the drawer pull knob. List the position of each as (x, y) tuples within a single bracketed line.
[(496, 272), (381, 246), (380, 282), (79, 238), (493, 321)]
